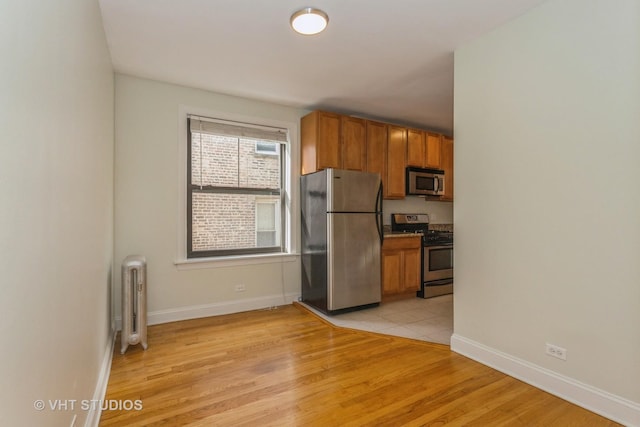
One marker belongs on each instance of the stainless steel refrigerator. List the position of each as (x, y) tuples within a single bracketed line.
[(342, 234)]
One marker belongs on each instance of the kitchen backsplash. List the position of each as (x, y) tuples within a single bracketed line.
[(439, 212)]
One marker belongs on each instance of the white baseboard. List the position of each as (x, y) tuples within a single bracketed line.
[(599, 401), (215, 309), (94, 412)]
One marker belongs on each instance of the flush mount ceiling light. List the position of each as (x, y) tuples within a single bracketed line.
[(309, 21)]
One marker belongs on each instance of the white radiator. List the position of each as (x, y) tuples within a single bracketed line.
[(134, 302)]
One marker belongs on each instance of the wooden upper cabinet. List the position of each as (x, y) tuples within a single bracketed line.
[(424, 149), (320, 141), (331, 140), (328, 148), (396, 160), (377, 149), (416, 148), (447, 166), (354, 143), (434, 150)]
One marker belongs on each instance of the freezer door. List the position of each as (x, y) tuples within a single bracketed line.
[(352, 191), (353, 260)]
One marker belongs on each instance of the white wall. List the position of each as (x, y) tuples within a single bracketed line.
[(547, 213), (56, 220), (149, 211)]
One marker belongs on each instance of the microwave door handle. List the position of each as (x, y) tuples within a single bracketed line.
[(436, 184)]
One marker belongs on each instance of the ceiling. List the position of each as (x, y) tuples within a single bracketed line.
[(390, 60)]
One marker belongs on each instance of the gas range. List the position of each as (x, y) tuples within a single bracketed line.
[(419, 223)]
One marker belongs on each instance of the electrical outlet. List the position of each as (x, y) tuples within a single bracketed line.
[(240, 287), (555, 351)]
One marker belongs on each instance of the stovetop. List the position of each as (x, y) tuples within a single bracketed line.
[(433, 238)]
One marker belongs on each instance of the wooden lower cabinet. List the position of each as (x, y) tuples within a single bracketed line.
[(401, 267)]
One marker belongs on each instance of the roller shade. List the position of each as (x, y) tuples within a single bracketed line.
[(222, 127)]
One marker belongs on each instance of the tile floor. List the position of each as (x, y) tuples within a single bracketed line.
[(424, 319)]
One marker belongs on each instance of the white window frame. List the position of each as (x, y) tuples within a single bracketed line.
[(290, 199), (277, 215), (266, 153)]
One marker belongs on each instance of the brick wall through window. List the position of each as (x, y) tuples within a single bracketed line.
[(222, 221)]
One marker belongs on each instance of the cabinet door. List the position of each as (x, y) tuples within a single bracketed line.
[(353, 141), (308, 143), (396, 160), (447, 165), (434, 150), (411, 259), (416, 148), (377, 149), (328, 141), (401, 263), (319, 141), (392, 274)]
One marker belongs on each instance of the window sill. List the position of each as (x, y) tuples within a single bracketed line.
[(235, 261)]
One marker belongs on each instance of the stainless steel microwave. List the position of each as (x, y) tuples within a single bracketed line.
[(425, 182)]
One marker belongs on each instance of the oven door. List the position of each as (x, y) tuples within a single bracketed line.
[(438, 263)]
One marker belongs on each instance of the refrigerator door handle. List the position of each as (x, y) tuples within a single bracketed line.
[(379, 218), (380, 227)]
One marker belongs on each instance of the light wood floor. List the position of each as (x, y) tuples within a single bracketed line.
[(287, 367)]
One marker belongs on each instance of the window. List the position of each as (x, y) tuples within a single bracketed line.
[(235, 188), (268, 148)]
